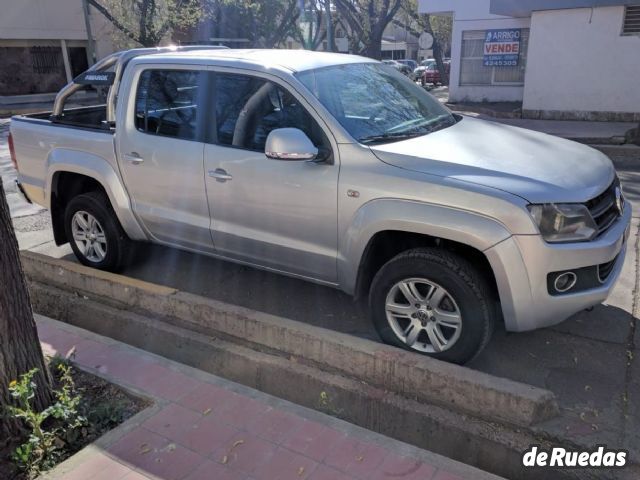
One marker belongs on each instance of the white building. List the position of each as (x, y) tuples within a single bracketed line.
[(43, 45), (577, 59)]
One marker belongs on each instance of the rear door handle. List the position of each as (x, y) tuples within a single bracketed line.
[(134, 158), (220, 175)]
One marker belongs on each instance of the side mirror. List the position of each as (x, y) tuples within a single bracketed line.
[(289, 144)]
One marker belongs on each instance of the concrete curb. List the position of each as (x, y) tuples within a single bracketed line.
[(411, 376), (107, 440)]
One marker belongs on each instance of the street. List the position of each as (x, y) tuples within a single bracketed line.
[(588, 361)]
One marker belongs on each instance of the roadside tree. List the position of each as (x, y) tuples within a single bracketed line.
[(20, 349), (147, 23), (366, 21), (440, 29)]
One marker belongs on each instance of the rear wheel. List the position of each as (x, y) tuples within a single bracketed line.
[(95, 234), (432, 302)]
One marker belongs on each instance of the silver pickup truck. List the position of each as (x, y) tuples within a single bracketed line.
[(335, 169)]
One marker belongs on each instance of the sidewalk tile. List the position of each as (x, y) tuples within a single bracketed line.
[(443, 475), (98, 467), (323, 472), (59, 343), (286, 465), (134, 476), (395, 466), (245, 452), (208, 397), (357, 458), (156, 455), (209, 434), (275, 425), (242, 411), (172, 421), (313, 440), (165, 383), (210, 470)]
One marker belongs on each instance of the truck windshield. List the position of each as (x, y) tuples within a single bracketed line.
[(375, 103)]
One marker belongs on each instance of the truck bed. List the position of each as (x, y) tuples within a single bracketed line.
[(93, 117)]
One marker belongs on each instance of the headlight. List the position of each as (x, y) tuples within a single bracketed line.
[(564, 222)]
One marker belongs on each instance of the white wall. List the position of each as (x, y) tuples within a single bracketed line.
[(52, 20), (580, 62), (473, 15)]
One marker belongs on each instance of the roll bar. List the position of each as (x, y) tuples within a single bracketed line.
[(120, 60)]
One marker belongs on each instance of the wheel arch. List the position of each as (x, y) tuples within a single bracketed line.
[(385, 228), (70, 173)]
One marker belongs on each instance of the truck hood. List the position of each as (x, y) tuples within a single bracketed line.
[(535, 166)]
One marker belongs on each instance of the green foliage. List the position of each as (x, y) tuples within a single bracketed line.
[(47, 430)]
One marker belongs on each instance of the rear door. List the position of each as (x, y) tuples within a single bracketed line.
[(160, 150)]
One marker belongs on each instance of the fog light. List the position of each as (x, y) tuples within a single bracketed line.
[(565, 281)]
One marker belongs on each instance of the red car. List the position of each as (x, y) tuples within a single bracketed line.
[(432, 75)]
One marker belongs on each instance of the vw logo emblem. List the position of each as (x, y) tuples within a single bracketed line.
[(619, 200)]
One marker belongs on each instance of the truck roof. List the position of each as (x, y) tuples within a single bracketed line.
[(262, 59)]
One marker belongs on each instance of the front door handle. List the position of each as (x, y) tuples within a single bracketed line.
[(134, 158), (220, 175)]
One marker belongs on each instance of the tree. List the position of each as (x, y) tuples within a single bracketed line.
[(425, 23), (312, 30), (20, 349), (147, 22), (367, 20), (247, 23)]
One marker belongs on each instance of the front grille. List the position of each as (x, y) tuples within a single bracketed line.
[(604, 208)]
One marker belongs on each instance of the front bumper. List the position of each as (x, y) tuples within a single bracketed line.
[(521, 264)]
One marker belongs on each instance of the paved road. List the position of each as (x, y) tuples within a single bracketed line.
[(589, 361)]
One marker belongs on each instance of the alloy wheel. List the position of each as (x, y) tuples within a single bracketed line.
[(423, 315), (89, 236)]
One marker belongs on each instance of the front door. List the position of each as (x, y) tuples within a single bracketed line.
[(274, 213), (160, 149)]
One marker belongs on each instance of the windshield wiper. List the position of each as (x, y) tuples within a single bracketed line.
[(390, 137)]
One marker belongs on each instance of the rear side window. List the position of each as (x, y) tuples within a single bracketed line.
[(248, 108), (167, 103)]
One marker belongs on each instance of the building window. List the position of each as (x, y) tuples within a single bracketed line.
[(472, 70), (631, 20)]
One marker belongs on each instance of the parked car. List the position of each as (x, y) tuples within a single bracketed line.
[(402, 68), (412, 64), (418, 71), (334, 169), (432, 75)]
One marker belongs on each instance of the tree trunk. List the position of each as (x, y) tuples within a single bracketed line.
[(437, 52), (19, 345)]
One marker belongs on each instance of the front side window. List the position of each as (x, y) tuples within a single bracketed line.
[(167, 103), (248, 108), (375, 103)]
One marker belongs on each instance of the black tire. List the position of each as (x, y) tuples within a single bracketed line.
[(468, 289), (119, 247)]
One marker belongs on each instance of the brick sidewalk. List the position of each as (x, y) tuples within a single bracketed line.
[(202, 427)]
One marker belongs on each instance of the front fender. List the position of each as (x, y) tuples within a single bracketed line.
[(98, 168), (469, 228)]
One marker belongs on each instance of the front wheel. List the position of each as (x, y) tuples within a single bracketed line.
[(433, 302), (95, 234)]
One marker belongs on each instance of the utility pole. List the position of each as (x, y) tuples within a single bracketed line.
[(327, 11), (91, 55)]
